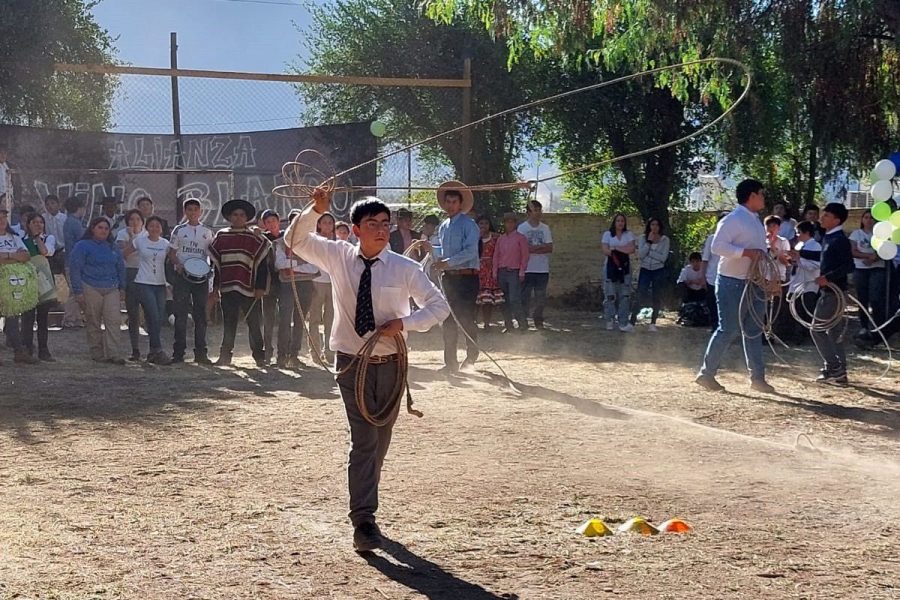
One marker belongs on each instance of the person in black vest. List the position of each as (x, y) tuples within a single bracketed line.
[(836, 264)]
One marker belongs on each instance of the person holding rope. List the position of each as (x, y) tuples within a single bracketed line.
[(355, 271), (458, 263), (240, 255), (836, 265), (740, 241)]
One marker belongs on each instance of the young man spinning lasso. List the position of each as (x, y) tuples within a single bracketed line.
[(371, 289)]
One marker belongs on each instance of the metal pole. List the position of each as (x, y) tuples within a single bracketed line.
[(409, 179), (176, 121), (466, 119)]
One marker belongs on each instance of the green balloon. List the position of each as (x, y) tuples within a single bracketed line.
[(881, 211), (895, 219), (895, 237), (378, 128)]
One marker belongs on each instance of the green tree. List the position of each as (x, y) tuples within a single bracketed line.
[(393, 38), (33, 37)]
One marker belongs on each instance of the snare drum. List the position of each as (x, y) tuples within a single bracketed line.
[(196, 270)]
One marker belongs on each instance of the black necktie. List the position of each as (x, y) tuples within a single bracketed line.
[(365, 312)]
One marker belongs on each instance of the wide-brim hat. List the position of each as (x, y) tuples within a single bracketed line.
[(468, 200), (238, 203)]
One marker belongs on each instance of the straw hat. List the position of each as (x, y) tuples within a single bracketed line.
[(468, 200)]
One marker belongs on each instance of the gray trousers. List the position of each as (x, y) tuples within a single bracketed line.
[(512, 291), (368, 444), (830, 343)]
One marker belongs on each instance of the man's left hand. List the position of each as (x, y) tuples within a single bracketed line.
[(442, 265), (392, 328), (258, 294), (821, 281)]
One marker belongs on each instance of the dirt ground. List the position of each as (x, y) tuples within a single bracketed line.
[(192, 482)]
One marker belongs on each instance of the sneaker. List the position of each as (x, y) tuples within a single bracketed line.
[(177, 359), (159, 358), (135, 356), (610, 325), (627, 328), (223, 361), (262, 363), (833, 377), (761, 385), (709, 383), (45, 356), (202, 359), (652, 328), (367, 537)]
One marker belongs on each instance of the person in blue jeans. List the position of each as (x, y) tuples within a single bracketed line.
[(150, 283), (740, 239), (654, 252)]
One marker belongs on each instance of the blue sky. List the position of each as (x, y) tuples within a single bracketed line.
[(226, 35)]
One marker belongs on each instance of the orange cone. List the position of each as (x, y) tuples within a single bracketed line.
[(675, 526), (637, 525), (594, 528)]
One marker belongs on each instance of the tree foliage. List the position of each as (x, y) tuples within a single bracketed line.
[(33, 37), (393, 38)]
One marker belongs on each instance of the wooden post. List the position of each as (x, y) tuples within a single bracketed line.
[(176, 122), (466, 142)]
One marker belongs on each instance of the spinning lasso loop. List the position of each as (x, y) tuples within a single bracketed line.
[(292, 169)]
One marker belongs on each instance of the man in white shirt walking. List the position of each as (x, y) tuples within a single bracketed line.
[(739, 240), (355, 271), (537, 273)]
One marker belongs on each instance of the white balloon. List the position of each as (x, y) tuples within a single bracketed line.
[(888, 250), (877, 242), (885, 169), (882, 190), (883, 230)]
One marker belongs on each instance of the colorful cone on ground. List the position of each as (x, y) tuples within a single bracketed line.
[(674, 526), (638, 525), (594, 528)]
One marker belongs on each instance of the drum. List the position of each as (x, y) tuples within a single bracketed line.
[(196, 270), (18, 289)]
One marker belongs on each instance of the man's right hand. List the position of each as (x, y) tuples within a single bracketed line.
[(753, 253), (322, 200)]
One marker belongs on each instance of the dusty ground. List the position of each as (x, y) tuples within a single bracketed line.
[(188, 482)]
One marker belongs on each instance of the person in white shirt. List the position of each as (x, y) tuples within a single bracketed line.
[(806, 270), (691, 284), (653, 250), (537, 273), (788, 227), (295, 285), (869, 273), (321, 308), (134, 227), (779, 248), (190, 242), (41, 247), (150, 282), (739, 240), (55, 219), (710, 270), (618, 244), (355, 272), (13, 251), (109, 210)]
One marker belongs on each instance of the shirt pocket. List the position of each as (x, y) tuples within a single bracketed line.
[(390, 302)]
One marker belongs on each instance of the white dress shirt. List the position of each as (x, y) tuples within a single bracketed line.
[(54, 225), (740, 230), (804, 278), (711, 259), (395, 279)]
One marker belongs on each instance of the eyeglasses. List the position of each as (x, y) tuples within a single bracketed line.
[(373, 225)]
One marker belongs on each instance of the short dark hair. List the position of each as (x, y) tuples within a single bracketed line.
[(612, 224), (489, 221), (143, 199), (810, 207), (695, 256), (838, 210), (131, 212), (73, 203), (26, 209), (746, 188), (662, 228), (371, 206), (772, 219), (454, 194), (432, 220), (343, 224), (153, 218), (189, 202), (806, 227), (89, 231), (50, 197), (533, 204)]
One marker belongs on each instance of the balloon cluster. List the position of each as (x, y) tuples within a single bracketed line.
[(886, 235)]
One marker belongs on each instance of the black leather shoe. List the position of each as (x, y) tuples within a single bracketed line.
[(202, 360), (761, 385), (367, 537), (709, 383)]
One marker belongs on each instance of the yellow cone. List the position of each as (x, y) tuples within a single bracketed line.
[(674, 526), (638, 525), (594, 528)]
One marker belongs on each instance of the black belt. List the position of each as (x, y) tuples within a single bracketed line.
[(374, 360), (462, 272)]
